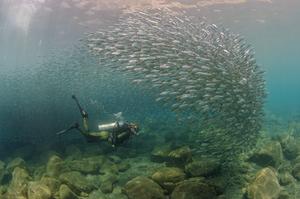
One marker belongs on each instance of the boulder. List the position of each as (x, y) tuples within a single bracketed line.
[(142, 167), (76, 181), (66, 193), (83, 166), (168, 177), (269, 155), (19, 184), (52, 183), (37, 190), (160, 154), (204, 168), (106, 187), (193, 188), (38, 172), (264, 186), (17, 162), (107, 182), (180, 156), (143, 188), (94, 179), (55, 166)]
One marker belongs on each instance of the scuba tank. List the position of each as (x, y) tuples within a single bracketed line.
[(111, 126), (118, 124)]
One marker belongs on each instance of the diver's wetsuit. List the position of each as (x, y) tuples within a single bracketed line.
[(115, 133)]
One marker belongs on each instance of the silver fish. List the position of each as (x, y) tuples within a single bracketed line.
[(196, 67)]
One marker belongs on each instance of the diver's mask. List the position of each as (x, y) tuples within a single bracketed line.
[(134, 128)]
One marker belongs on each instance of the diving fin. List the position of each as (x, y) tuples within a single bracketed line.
[(73, 126)]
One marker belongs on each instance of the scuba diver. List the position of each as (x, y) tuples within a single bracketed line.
[(115, 133)]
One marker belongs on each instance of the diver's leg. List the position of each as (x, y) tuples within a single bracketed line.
[(84, 132), (77, 127), (113, 136), (73, 126), (85, 123)]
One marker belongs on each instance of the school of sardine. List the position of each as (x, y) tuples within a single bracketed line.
[(195, 67)]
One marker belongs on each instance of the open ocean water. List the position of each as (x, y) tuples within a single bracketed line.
[(49, 51)]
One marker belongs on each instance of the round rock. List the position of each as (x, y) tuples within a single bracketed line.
[(38, 191), (203, 168), (168, 177), (55, 166), (66, 193), (193, 189), (17, 162), (179, 156), (265, 185), (143, 188), (76, 181)]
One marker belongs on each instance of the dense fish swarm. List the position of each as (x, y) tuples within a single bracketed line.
[(197, 68)]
